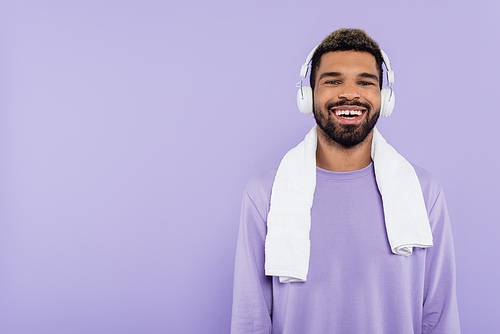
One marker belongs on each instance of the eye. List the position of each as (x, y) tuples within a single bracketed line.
[(332, 82), (366, 83)]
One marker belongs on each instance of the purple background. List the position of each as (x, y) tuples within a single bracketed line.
[(128, 130)]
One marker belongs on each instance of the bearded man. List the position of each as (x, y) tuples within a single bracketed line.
[(345, 236)]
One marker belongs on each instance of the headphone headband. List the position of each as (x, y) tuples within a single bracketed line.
[(390, 72), (305, 67)]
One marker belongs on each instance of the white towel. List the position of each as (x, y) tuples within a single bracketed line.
[(287, 247)]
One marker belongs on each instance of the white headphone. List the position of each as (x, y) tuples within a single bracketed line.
[(305, 93)]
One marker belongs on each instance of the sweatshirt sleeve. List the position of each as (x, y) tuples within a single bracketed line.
[(440, 310), (252, 290)]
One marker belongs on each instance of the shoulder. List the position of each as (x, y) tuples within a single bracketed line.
[(259, 188), (431, 188)]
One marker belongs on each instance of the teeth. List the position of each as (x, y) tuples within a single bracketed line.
[(348, 112)]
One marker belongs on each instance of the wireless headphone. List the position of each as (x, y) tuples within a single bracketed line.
[(305, 93)]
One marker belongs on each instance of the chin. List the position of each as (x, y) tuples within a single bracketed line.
[(346, 135)]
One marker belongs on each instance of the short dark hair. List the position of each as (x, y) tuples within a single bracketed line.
[(346, 40)]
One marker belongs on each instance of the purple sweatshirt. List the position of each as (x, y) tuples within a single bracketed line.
[(355, 283)]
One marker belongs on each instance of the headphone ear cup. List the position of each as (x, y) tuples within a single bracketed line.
[(388, 100), (305, 100)]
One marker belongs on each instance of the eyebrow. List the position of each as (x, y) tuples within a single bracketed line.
[(330, 74), (368, 75)]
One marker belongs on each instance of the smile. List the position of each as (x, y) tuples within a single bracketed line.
[(343, 112), (349, 114)]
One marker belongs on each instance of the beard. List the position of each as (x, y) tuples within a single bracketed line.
[(346, 135)]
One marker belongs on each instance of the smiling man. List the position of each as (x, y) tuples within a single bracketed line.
[(345, 235)]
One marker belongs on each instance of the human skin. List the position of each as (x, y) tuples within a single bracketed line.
[(346, 81)]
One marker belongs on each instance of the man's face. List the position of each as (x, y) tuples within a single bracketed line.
[(347, 96)]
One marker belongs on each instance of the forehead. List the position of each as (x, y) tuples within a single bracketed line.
[(348, 62)]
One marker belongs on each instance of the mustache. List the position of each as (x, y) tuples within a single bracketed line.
[(342, 103)]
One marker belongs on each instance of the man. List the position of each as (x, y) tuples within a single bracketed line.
[(345, 236)]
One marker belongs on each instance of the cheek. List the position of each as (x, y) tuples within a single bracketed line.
[(321, 96), (316, 95), (375, 99)]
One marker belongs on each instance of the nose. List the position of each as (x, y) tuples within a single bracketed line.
[(349, 92)]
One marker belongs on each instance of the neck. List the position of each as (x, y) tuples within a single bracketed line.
[(337, 158)]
